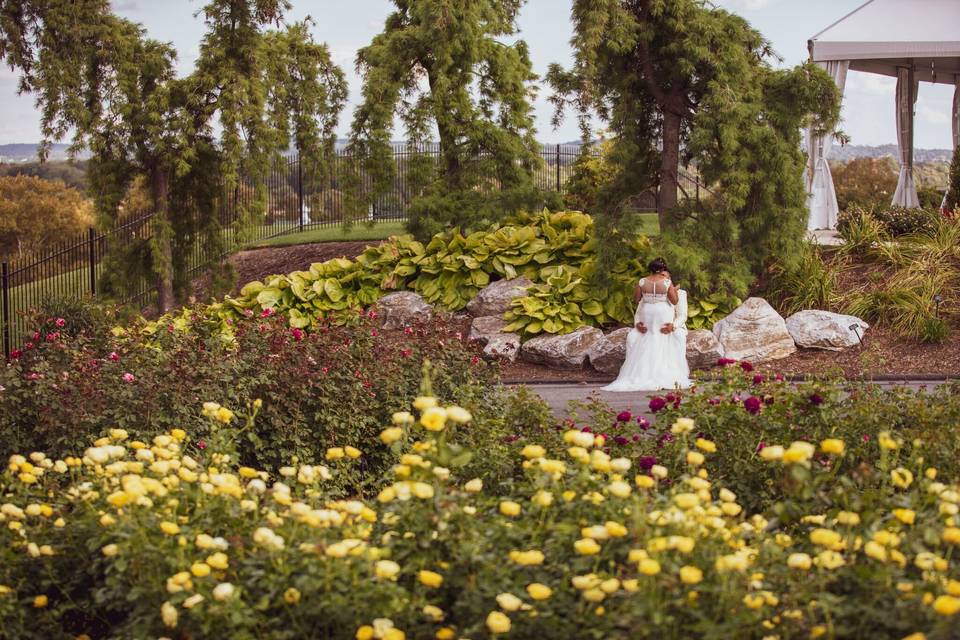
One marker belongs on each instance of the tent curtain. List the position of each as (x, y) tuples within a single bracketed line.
[(906, 193), (956, 113), (821, 196)]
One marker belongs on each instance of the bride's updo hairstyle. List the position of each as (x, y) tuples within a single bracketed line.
[(659, 265)]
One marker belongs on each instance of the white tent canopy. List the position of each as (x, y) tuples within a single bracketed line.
[(912, 40)]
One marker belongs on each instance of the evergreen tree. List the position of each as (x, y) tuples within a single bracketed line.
[(681, 80), (953, 189), (99, 78), (443, 70)]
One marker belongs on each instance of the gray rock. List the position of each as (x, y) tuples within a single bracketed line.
[(607, 354), (402, 309), (568, 351), (755, 332), (703, 349), (488, 331), (495, 298), (814, 329)]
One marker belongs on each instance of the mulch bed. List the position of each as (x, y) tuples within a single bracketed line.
[(883, 352)]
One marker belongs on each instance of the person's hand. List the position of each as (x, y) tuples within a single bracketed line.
[(641, 327), (667, 328)]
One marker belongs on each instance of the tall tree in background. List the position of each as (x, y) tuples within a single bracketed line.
[(682, 81), (35, 213), (99, 78), (444, 70)]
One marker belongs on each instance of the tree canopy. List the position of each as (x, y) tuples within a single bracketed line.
[(445, 71), (34, 213), (683, 81), (100, 79)]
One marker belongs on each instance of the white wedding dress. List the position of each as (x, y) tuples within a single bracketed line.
[(656, 360)]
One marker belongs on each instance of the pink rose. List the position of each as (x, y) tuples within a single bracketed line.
[(128, 377), (60, 322)]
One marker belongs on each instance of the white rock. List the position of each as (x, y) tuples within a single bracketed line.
[(488, 331), (495, 298), (402, 309), (815, 329), (703, 349), (755, 332), (607, 354), (568, 351)]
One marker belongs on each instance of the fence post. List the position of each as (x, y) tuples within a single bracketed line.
[(91, 238), (5, 288), (558, 168), (300, 187)]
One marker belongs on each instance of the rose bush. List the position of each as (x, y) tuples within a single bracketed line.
[(161, 539), (318, 388)]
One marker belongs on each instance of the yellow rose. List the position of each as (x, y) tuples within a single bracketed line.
[(434, 419), (509, 602), (40, 602), (458, 415), (424, 402), (218, 560), (352, 452), (686, 501), (619, 489), (532, 451), (445, 633), (474, 486), (433, 612), (291, 596), (539, 591), (586, 547), (946, 605), (690, 575), (335, 453), (200, 569), (648, 567), (509, 508), (682, 426), (644, 482), (169, 528), (110, 550), (695, 458), (706, 445), (951, 535), (886, 442), (430, 579), (773, 452), (615, 529), (528, 558), (901, 477), (498, 622), (365, 632), (391, 435), (168, 614), (833, 446), (826, 538), (799, 561)]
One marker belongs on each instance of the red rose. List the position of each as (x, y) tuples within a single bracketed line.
[(752, 405), (657, 403), (624, 416), (746, 366)]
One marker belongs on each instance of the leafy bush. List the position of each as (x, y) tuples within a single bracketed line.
[(895, 221), (703, 314), (160, 538)]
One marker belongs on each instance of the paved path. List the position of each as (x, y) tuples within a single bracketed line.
[(558, 394)]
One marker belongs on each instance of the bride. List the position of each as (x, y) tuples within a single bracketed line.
[(656, 346)]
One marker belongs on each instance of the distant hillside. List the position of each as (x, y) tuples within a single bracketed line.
[(851, 151), (27, 152)]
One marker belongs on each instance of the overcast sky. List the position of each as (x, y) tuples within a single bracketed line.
[(347, 25)]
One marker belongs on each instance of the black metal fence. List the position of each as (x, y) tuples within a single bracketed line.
[(294, 201)]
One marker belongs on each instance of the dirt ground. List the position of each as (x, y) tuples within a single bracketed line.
[(883, 353)]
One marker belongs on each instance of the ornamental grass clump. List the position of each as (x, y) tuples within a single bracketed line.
[(159, 538)]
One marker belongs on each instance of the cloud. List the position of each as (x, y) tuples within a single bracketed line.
[(931, 115), (870, 83)]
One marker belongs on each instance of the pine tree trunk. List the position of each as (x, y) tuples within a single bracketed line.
[(161, 240), (669, 165)]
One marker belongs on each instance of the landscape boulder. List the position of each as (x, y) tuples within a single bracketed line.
[(495, 298), (608, 353), (568, 351), (488, 331), (703, 349), (815, 329), (402, 309), (755, 332)]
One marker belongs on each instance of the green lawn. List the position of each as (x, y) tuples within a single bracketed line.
[(358, 232), (649, 224)]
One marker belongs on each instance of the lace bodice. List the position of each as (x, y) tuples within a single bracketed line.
[(655, 294)]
